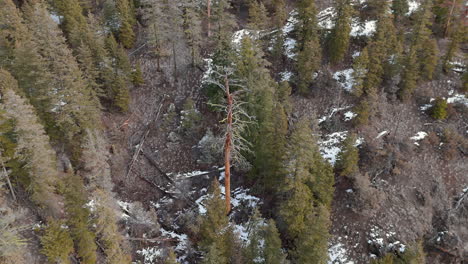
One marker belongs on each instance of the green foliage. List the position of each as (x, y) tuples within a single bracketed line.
[(78, 220), (340, 35), (312, 242), (413, 255), (171, 258), (465, 82), (190, 117), (309, 50), (429, 57), (458, 37), (31, 145), (258, 15), (137, 75), (127, 20), (107, 229), (308, 181), (363, 111), (409, 79), (56, 242), (400, 8), (193, 30), (12, 242), (272, 252), (380, 50), (348, 158), (439, 110), (360, 67), (214, 231)]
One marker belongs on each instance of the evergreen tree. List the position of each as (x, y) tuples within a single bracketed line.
[(409, 78), (32, 148), (439, 110), (258, 15), (272, 252), (127, 20), (278, 18), (458, 37), (400, 8), (363, 112), (78, 220), (171, 258), (348, 158), (119, 93), (56, 242), (380, 49), (312, 242), (193, 30), (308, 46), (214, 230), (340, 35), (360, 67), (309, 181), (429, 58), (223, 22), (137, 75), (75, 106), (107, 229)]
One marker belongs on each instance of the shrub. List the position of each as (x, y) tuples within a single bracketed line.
[(439, 110)]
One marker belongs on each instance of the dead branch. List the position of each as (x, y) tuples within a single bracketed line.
[(5, 174), (142, 140), (153, 240)]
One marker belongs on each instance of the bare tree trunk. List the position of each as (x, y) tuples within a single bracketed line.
[(227, 148), (175, 61), (208, 12), (449, 19), (5, 173)]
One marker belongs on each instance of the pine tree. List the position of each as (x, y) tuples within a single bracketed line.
[(56, 242), (278, 18), (348, 158), (12, 242), (362, 110), (312, 242), (360, 67), (118, 93), (458, 37), (400, 8), (380, 49), (32, 146), (439, 110), (75, 106), (340, 35), (171, 258), (78, 220), (308, 48), (258, 15), (137, 75), (19, 55), (107, 230), (272, 252), (127, 20), (409, 78), (429, 58), (223, 22), (309, 181), (193, 30), (214, 228)]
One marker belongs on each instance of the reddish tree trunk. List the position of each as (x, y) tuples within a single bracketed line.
[(227, 149), (449, 19), (208, 13)]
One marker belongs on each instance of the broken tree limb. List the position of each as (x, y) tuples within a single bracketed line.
[(142, 140), (227, 147), (5, 174), (151, 239)]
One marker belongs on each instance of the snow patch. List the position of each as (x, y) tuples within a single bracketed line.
[(150, 255), (419, 136), (332, 113), (326, 18), (345, 78), (286, 76), (363, 29), (349, 115), (337, 254), (381, 134), (458, 98), (56, 18), (413, 6), (330, 146)]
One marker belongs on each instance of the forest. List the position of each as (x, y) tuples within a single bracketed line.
[(233, 131)]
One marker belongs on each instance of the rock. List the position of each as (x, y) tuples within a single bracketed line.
[(173, 137)]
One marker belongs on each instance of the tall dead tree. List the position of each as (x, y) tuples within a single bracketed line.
[(236, 120), (208, 14)]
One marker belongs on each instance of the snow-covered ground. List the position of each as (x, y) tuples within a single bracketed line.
[(337, 254), (418, 137), (345, 78)]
